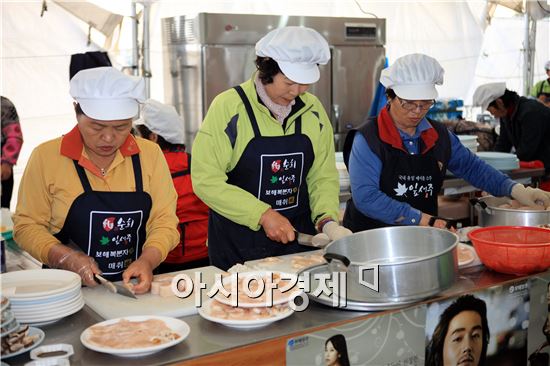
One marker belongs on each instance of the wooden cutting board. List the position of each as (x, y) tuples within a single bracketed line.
[(110, 306), (285, 265)]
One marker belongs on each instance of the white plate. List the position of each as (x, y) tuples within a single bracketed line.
[(46, 300), (7, 317), (32, 331), (52, 316), (468, 249), (13, 326), (178, 326), (38, 283), (282, 297), (35, 310), (204, 311), (493, 155)]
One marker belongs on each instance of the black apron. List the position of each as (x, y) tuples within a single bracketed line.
[(108, 226), (415, 179), (273, 169)]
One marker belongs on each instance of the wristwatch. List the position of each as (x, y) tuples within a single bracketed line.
[(448, 223)]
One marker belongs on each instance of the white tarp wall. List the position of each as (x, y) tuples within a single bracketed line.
[(35, 51)]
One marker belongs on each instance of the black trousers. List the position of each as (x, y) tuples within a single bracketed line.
[(7, 189)]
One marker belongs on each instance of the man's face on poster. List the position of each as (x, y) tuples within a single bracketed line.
[(464, 340)]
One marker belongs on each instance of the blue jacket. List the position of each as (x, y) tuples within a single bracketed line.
[(365, 167)]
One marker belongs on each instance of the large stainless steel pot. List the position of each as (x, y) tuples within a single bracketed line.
[(490, 214), (413, 262)]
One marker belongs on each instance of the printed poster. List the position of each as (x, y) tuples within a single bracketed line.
[(538, 350), (488, 327), (394, 339)]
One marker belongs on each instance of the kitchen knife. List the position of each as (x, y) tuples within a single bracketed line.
[(310, 240), (114, 287)]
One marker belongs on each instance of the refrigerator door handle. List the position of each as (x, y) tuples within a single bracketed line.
[(335, 120)]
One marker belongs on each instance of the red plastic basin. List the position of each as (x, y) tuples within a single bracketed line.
[(518, 250)]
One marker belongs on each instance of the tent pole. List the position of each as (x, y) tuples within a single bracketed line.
[(135, 42), (532, 50), (146, 41), (527, 53)]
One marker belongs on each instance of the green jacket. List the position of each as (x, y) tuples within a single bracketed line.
[(214, 156), (542, 86)]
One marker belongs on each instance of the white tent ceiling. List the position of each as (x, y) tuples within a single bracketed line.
[(35, 51)]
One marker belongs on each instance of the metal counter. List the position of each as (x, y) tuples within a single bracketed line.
[(208, 338), (453, 185)]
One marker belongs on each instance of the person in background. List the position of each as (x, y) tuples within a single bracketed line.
[(524, 123), (12, 141), (263, 159), (161, 123), (397, 161), (336, 351), (97, 200), (541, 90), (462, 334)]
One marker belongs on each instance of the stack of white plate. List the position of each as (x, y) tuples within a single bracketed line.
[(342, 172), (469, 141), (42, 296), (499, 160)]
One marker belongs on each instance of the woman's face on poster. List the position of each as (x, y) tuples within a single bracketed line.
[(331, 354), (464, 340)]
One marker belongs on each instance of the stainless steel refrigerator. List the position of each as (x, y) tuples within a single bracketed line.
[(209, 53)]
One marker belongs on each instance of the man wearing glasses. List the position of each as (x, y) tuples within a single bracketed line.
[(397, 161)]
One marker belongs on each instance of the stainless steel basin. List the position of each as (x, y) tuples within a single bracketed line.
[(412, 262), (490, 214)]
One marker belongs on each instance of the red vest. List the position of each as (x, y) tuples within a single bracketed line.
[(191, 211)]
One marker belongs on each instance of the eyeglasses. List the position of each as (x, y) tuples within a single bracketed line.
[(411, 106)]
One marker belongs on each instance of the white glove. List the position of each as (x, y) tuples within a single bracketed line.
[(320, 240), (530, 196), (335, 231)]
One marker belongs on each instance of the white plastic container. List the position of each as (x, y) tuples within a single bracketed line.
[(49, 362), (53, 352)]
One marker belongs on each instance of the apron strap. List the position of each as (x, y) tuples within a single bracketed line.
[(298, 127), (249, 110), (185, 171), (137, 175), (137, 172), (83, 178)]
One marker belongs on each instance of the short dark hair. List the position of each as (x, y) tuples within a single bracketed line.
[(267, 69), (145, 132), (390, 94), (509, 98), (338, 341), (463, 303), (78, 110)]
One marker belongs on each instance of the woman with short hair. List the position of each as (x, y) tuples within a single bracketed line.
[(263, 160)]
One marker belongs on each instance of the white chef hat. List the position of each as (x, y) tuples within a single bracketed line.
[(487, 93), (547, 65), (163, 120), (106, 94), (297, 51), (413, 77)]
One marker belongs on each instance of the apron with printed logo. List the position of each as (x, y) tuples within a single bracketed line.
[(108, 226), (414, 179), (273, 169)]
